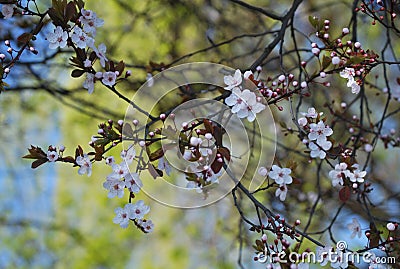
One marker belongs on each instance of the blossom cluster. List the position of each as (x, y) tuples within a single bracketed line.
[(342, 171), (281, 176), (348, 55), (317, 131), (82, 36), (120, 179), (244, 103)]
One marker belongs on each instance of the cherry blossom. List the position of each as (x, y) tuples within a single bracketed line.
[(323, 254), (355, 228), (349, 74), (85, 165), (281, 175), (90, 21), (109, 78), (115, 187), (319, 149), (244, 104), (139, 209), (89, 83), (101, 53), (336, 175), (81, 39), (147, 225), (87, 14), (119, 171), (281, 192), (319, 132), (58, 38), (7, 10), (128, 155), (311, 113), (123, 215), (110, 160), (339, 260), (133, 182), (164, 165), (236, 100), (357, 175), (52, 155), (233, 81)]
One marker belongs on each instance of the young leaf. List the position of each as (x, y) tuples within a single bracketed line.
[(38, 163), (76, 73), (344, 194)]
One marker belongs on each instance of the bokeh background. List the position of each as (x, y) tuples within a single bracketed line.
[(51, 217)]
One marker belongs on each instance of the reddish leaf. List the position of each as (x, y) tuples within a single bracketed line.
[(35, 153), (225, 153), (120, 67), (56, 17), (156, 155), (154, 172), (38, 163), (374, 236), (24, 38), (216, 166), (76, 73), (68, 159), (70, 12), (398, 80), (344, 194)]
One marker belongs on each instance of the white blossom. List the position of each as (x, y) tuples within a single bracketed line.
[(355, 228), (101, 54), (319, 132), (109, 78), (52, 155), (139, 209), (147, 225), (89, 83), (85, 165), (58, 38), (115, 187), (133, 182), (233, 81), (123, 215), (319, 149), (336, 175), (7, 10), (81, 39), (281, 192), (164, 165), (357, 175), (281, 175)]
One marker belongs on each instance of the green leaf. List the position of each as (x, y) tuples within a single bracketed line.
[(313, 21)]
